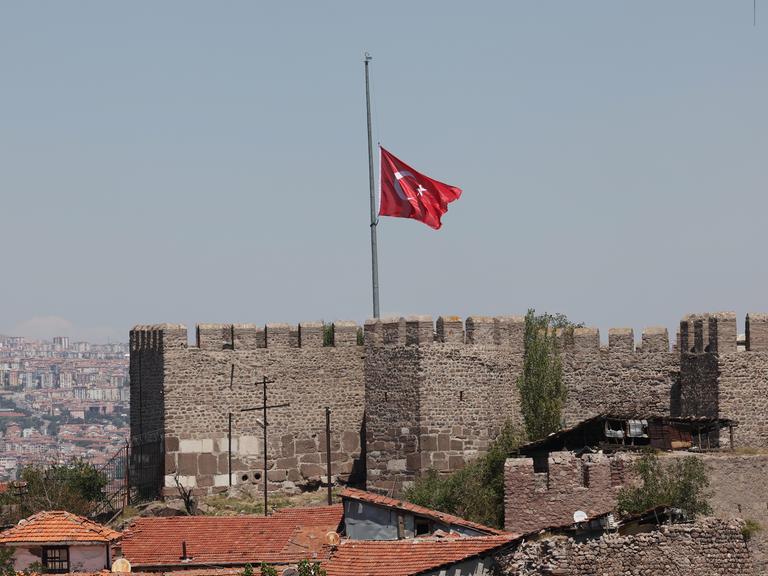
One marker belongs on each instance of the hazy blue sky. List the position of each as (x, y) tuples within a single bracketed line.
[(206, 161)]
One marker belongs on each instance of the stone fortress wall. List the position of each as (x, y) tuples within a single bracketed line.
[(420, 394), (195, 388)]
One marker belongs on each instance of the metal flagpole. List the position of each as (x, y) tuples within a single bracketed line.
[(374, 222)]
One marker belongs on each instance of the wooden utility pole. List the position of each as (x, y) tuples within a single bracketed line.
[(264, 424)]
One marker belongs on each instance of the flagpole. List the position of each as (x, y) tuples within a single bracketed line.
[(374, 222)]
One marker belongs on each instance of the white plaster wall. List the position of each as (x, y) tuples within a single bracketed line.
[(91, 558)]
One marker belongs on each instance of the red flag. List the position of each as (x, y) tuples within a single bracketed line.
[(406, 193)]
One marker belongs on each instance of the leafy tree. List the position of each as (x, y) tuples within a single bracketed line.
[(328, 334), (307, 568), (679, 483), (266, 570), (248, 570), (542, 392), (76, 486), (475, 492)]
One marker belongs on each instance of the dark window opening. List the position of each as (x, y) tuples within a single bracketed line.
[(56, 559), (422, 526)]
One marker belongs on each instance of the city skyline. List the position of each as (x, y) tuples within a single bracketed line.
[(190, 162)]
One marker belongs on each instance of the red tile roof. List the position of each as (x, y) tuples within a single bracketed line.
[(59, 527), (287, 536), (408, 557), (380, 500)]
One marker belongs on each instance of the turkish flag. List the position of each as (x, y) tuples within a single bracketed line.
[(406, 193)]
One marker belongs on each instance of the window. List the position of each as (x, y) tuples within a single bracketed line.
[(56, 559), (422, 526)]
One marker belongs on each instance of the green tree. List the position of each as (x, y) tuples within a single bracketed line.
[(266, 570), (542, 392), (76, 487), (307, 568), (678, 483), (475, 492)]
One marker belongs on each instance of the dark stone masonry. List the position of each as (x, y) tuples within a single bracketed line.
[(417, 395), (708, 548)]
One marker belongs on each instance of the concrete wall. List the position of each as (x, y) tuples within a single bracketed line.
[(708, 548)]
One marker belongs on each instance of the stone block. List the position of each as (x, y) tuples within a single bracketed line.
[(305, 446), (277, 475), (655, 339), (221, 480), (350, 441), (171, 444), (443, 441), (393, 331), (222, 445), (428, 442), (249, 445), (278, 336), (757, 332), (311, 470), (621, 340), (187, 464), (214, 336), (419, 330), (455, 462), (287, 446), (248, 337), (586, 340), (205, 481), (481, 330), (190, 446), (206, 445), (287, 462), (413, 461), (170, 463), (397, 465), (311, 334), (207, 464), (344, 334), (313, 458), (450, 329)]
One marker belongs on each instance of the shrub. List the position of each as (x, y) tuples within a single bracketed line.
[(679, 483), (750, 528), (475, 492)]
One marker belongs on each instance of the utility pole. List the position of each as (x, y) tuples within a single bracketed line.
[(328, 452), (264, 407), (371, 186)]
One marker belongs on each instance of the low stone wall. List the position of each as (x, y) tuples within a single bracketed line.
[(533, 501), (711, 547), (536, 500)]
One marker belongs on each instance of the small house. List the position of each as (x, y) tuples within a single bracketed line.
[(60, 542), (369, 516)]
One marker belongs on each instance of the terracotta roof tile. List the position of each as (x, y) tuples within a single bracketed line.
[(287, 536), (370, 497), (407, 557), (57, 526)]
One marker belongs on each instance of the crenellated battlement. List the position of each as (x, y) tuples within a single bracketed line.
[(242, 336), (535, 500), (434, 391), (423, 331)]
